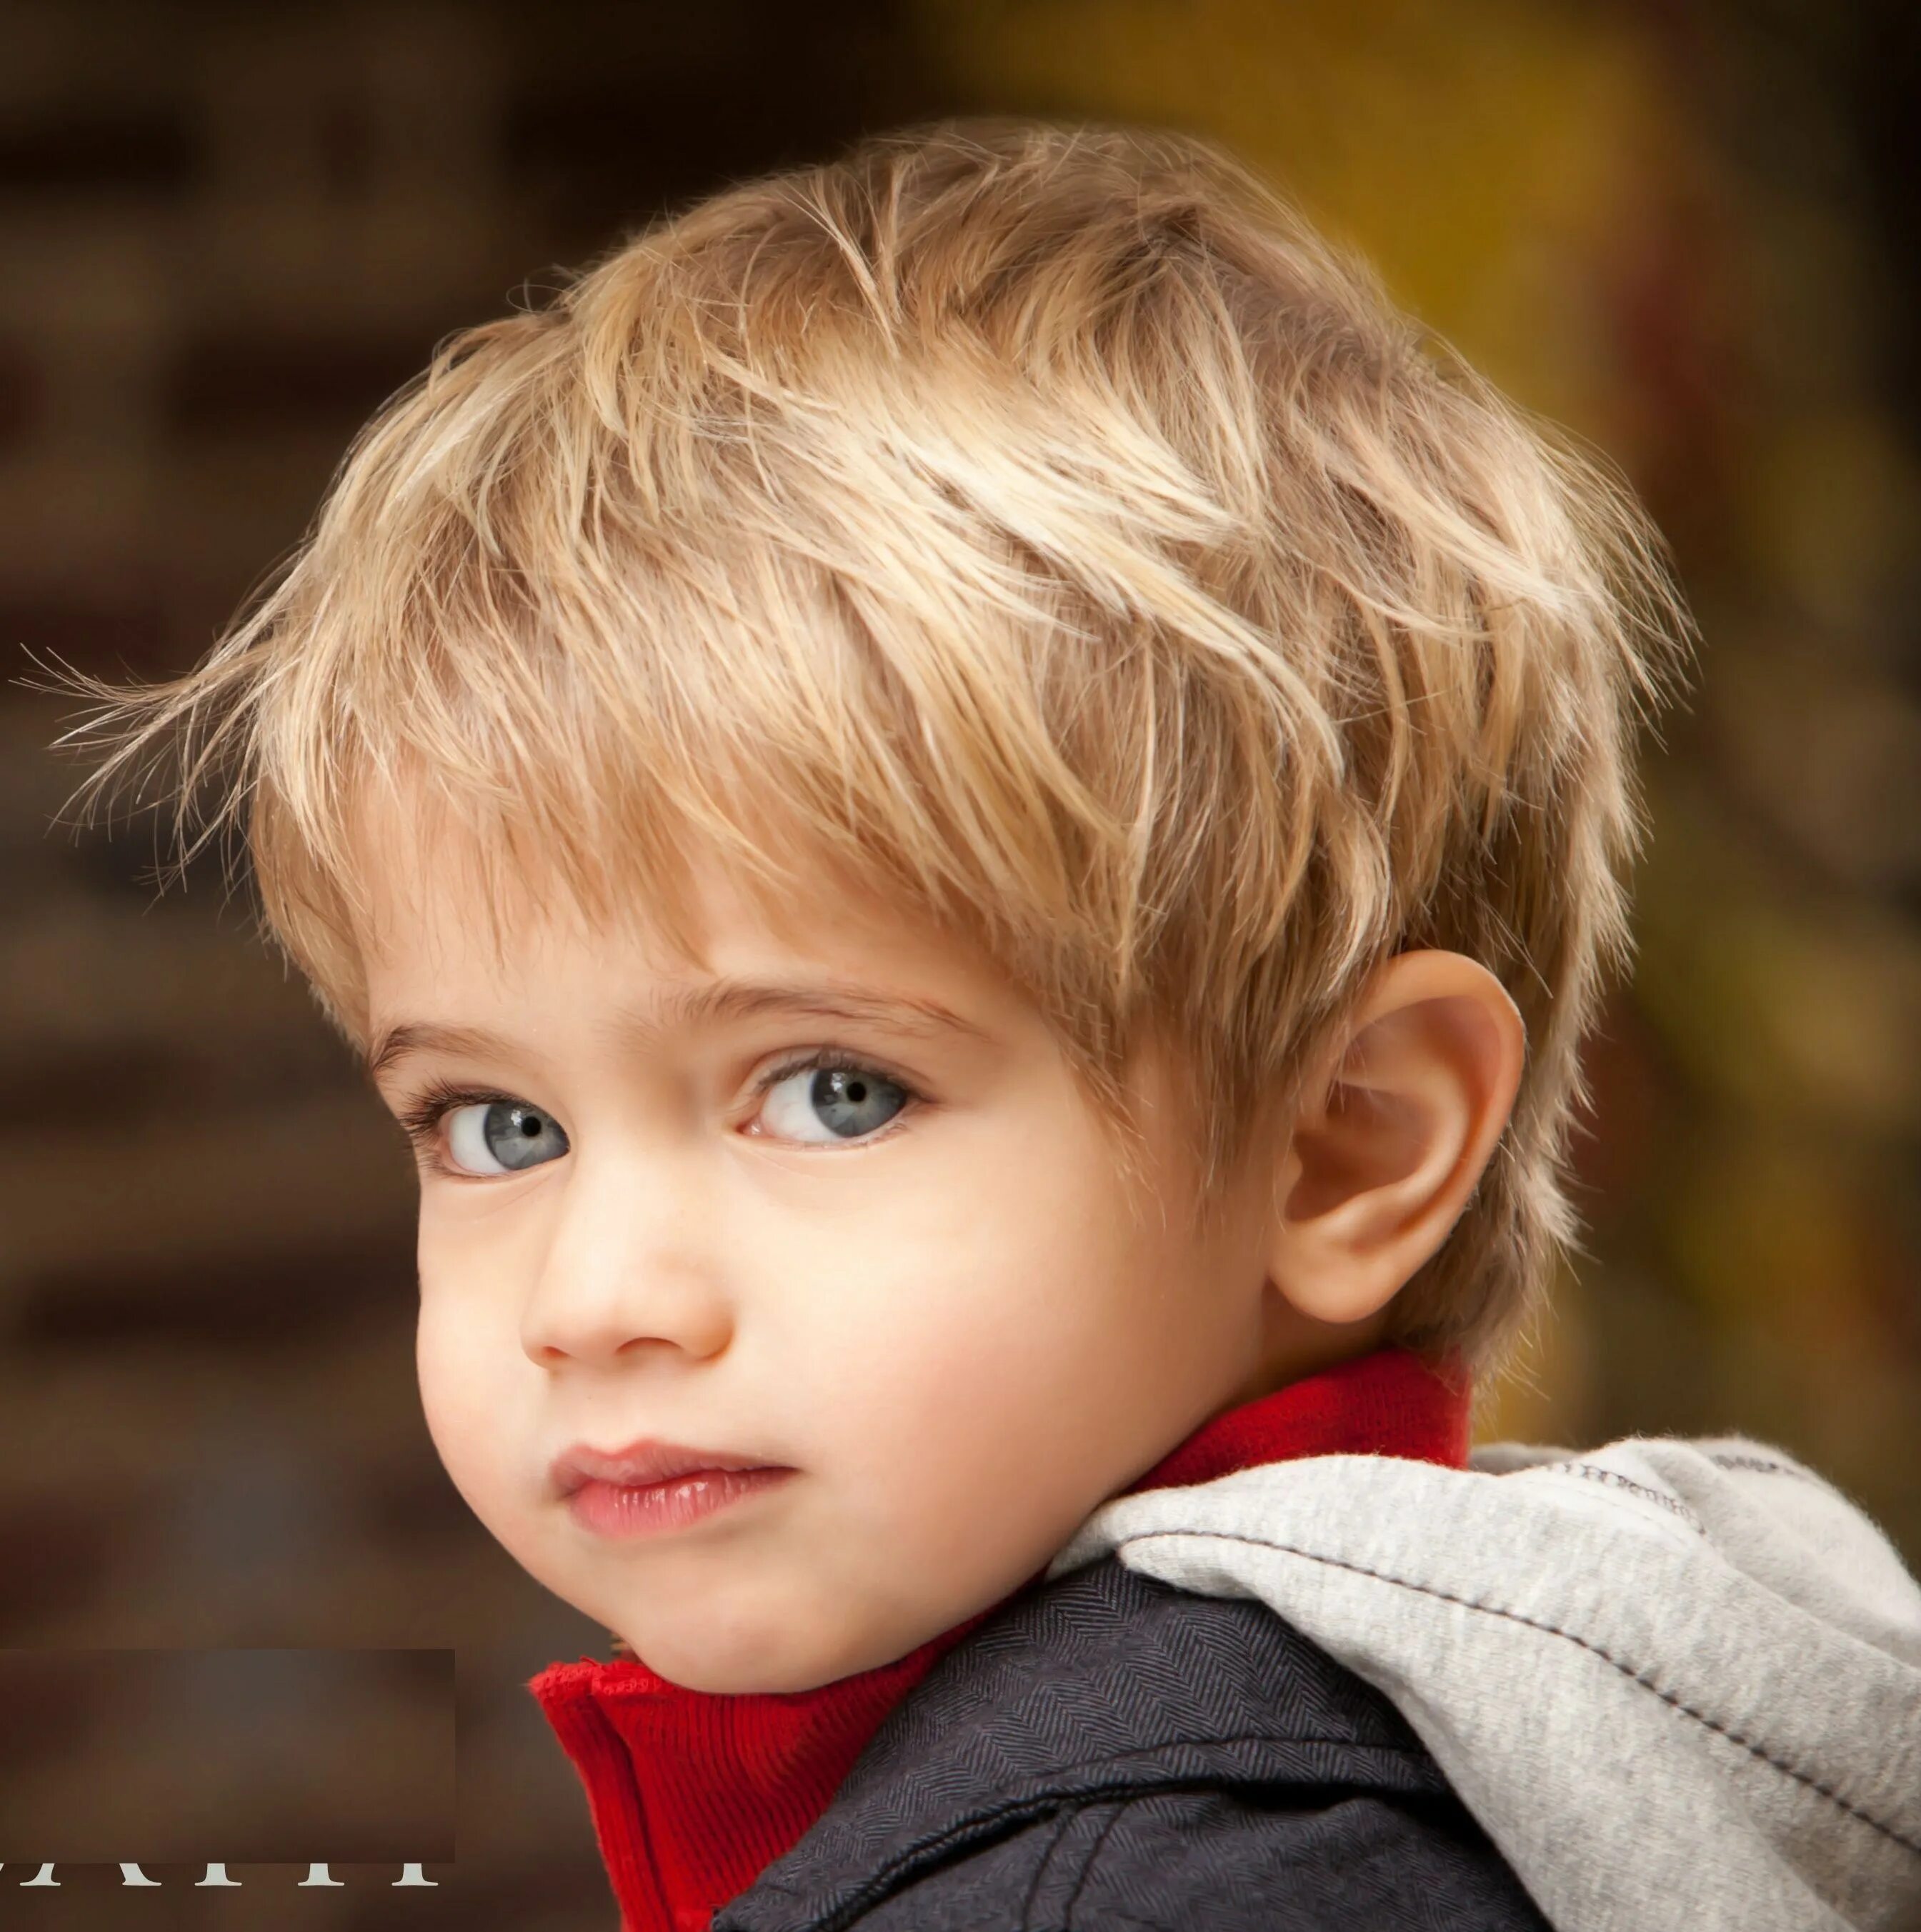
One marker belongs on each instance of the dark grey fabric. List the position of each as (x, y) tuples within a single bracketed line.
[(1109, 1754)]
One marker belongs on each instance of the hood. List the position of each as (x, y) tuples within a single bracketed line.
[(1679, 1683)]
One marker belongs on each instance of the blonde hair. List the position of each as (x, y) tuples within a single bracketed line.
[(1041, 525)]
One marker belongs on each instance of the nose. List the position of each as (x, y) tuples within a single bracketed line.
[(632, 1266)]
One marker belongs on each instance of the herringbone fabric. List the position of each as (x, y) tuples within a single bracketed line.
[(1109, 1752)]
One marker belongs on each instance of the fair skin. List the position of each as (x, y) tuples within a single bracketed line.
[(934, 1302)]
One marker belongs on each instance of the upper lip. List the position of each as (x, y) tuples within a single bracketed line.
[(648, 1460)]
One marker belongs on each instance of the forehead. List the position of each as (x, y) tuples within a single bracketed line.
[(450, 920)]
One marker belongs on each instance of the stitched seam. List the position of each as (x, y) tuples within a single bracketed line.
[(1418, 1754), (878, 1884), (1066, 1818), (1761, 1466), (1595, 1473), (1667, 1697), (1087, 1870)]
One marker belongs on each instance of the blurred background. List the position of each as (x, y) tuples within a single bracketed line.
[(1686, 229)]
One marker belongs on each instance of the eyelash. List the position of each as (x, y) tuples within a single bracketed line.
[(420, 1118)]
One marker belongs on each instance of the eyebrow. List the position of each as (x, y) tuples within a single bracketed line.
[(714, 1003)]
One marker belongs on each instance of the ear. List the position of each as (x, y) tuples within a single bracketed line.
[(1392, 1132)]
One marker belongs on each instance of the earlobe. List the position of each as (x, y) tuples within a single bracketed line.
[(1388, 1145)]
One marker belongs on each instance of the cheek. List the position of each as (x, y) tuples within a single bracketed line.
[(1006, 1313), (460, 1366), (447, 1396)]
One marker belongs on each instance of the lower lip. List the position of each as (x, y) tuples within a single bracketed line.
[(645, 1509)]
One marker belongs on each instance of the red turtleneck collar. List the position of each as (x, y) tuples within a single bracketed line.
[(695, 1793)]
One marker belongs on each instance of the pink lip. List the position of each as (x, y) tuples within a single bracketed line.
[(647, 1460), (647, 1509)]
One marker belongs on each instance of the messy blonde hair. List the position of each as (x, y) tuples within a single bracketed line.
[(1040, 525)]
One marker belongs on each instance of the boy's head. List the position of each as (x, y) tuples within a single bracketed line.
[(1013, 571)]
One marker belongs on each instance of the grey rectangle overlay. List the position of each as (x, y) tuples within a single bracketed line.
[(243, 1757)]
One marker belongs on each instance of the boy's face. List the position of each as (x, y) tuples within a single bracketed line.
[(917, 1283)]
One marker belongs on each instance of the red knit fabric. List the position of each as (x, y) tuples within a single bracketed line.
[(695, 1793)]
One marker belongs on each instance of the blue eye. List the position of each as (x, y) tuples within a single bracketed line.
[(820, 1106), (503, 1137)]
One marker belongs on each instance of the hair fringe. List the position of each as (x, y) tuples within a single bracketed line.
[(1039, 523)]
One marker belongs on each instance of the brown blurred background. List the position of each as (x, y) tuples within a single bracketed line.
[(1688, 229)]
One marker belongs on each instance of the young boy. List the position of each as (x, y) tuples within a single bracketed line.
[(971, 807)]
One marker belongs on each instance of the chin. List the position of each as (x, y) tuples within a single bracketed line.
[(756, 1666), (720, 1680), (735, 1667)]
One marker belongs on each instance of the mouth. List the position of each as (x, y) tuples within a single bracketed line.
[(641, 1463), (624, 1511)]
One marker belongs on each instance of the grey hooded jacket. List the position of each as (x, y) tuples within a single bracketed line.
[(1678, 1683), (1664, 1687)]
